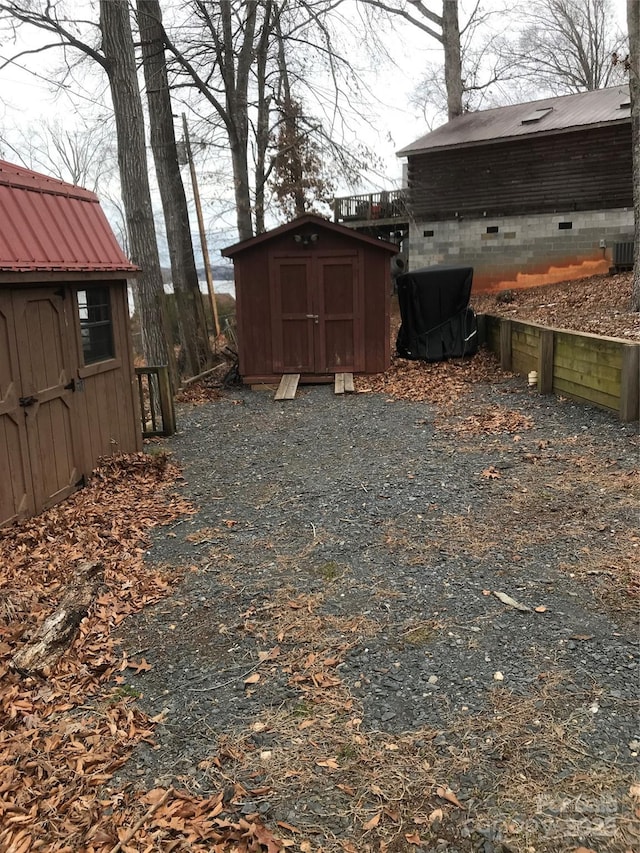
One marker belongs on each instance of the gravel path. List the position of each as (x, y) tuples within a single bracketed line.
[(347, 551)]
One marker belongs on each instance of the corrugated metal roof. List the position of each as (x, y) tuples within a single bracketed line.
[(550, 115), (50, 226)]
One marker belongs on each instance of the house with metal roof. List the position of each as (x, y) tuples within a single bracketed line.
[(526, 194), (66, 361)]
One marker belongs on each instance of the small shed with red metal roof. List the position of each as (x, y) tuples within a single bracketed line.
[(312, 298), (66, 361)]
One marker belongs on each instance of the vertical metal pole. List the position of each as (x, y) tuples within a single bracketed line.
[(203, 236)]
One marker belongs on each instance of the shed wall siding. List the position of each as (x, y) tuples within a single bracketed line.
[(526, 251), (582, 170), (257, 294)]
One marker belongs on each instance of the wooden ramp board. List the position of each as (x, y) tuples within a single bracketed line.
[(288, 386), (343, 383)]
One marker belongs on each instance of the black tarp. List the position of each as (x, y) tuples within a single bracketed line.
[(437, 322)]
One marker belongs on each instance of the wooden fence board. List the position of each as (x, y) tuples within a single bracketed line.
[(608, 384), (585, 395), (589, 368)]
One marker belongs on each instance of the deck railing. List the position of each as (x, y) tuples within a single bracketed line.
[(388, 204), (157, 411)]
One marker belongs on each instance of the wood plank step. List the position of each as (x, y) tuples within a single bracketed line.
[(288, 386), (343, 383)]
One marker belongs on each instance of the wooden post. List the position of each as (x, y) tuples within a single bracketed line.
[(481, 319), (505, 344), (203, 235), (630, 383), (166, 401), (545, 361)]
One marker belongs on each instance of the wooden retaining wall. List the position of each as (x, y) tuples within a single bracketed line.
[(588, 368)]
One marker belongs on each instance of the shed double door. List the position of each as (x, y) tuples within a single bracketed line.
[(316, 313), (39, 449)]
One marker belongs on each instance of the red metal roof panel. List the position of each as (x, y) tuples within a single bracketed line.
[(49, 225)]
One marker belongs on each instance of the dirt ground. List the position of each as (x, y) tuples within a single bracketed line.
[(403, 620)]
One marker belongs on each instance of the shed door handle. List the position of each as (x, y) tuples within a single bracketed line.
[(27, 401)]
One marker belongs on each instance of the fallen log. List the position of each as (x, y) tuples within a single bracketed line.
[(59, 630)]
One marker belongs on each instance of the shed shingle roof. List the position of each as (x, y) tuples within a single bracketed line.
[(549, 115), (47, 225)]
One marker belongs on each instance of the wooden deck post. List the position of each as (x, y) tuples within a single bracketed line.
[(545, 361), (505, 344), (630, 383), (166, 401)]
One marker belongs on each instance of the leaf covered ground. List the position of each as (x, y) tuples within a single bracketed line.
[(599, 304), (282, 656)]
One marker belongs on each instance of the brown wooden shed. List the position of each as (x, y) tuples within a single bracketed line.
[(312, 298), (66, 365)]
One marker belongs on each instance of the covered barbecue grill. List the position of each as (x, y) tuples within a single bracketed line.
[(437, 322)]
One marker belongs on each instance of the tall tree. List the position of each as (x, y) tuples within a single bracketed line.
[(184, 275), (226, 44), (116, 56), (633, 23), (445, 29), (120, 65), (228, 52), (565, 46)]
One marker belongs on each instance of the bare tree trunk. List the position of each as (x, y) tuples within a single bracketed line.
[(452, 57), (191, 317), (119, 54), (262, 121), (633, 22), (235, 70)]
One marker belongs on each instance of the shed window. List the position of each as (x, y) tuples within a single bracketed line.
[(96, 326)]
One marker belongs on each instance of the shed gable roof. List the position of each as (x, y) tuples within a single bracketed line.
[(318, 222), (546, 116), (47, 225)]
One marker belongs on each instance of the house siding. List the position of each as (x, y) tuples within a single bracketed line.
[(580, 170), (526, 251)]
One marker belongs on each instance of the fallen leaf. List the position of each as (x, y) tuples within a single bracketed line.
[(448, 795), (331, 763), (306, 724), (253, 679), (491, 473), (436, 814), (540, 609), (584, 850), (347, 789), (634, 792), (511, 602), (370, 824), (413, 838)]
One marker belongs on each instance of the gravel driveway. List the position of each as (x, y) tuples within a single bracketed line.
[(338, 660)]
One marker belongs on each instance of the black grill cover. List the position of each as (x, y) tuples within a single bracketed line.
[(437, 322)]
